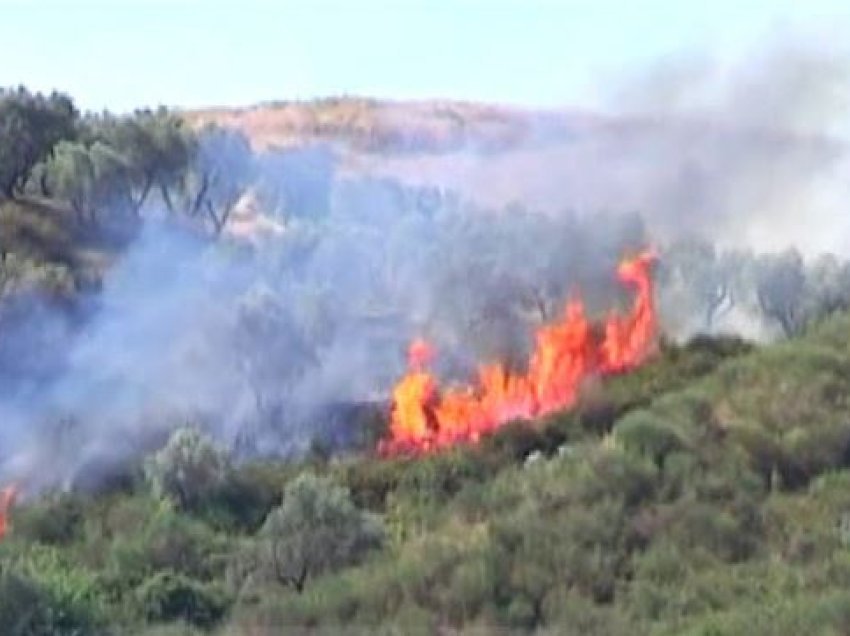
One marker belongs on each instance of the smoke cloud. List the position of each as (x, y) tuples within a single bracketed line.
[(740, 152)]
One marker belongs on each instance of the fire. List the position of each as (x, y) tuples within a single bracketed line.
[(566, 353), (7, 499)]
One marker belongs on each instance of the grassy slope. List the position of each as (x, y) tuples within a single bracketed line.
[(370, 125)]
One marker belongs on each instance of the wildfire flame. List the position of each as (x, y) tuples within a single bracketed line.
[(566, 352), (7, 499)]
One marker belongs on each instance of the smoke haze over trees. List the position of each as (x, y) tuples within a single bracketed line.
[(199, 332), (200, 279)]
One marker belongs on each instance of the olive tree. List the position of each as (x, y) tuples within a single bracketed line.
[(828, 286), (705, 276), (188, 469), (31, 124), (222, 169), (316, 529), (781, 290), (92, 179)]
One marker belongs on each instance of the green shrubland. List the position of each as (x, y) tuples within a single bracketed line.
[(706, 493)]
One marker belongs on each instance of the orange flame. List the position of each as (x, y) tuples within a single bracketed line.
[(7, 500), (565, 354)]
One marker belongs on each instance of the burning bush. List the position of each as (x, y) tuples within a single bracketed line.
[(566, 354)]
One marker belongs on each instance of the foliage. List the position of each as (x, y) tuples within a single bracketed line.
[(31, 124), (771, 291), (167, 596), (54, 520), (21, 276), (41, 592), (188, 469), (683, 497), (316, 529)]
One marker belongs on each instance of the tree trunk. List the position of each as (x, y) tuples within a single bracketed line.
[(43, 185), (8, 190), (136, 204), (219, 220), (166, 197)]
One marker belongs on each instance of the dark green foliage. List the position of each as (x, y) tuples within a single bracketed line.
[(647, 436), (241, 502), (167, 596), (42, 593), (23, 608), (316, 529), (156, 148), (53, 520), (31, 124), (166, 541)]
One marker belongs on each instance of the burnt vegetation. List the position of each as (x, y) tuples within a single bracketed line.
[(707, 492)]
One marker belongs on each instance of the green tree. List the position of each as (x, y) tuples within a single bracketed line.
[(781, 288), (168, 596), (316, 529), (91, 179), (188, 469), (156, 148), (828, 286), (706, 277), (31, 124)]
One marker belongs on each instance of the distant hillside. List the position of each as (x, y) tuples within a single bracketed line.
[(719, 167), (372, 125)]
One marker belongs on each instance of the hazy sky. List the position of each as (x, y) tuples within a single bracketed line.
[(121, 54)]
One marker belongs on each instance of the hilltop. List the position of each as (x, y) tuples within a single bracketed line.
[(384, 126), (706, 171)]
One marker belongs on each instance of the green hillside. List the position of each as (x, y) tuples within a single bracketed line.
[(706, 493)]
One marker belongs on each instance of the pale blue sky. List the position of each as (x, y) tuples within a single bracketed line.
[(127, 53)]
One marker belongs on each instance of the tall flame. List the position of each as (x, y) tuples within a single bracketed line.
[(7, 499), (565, 354)]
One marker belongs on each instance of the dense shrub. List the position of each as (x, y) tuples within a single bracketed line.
[(167, 596), (167, 541), (316, 529), (54, 519), (42, 593), (188, 470)]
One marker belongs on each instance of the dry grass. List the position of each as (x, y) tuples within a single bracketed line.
[(372, 125)]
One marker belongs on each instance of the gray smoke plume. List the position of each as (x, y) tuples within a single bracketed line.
[(256, 342), (740, 152)]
